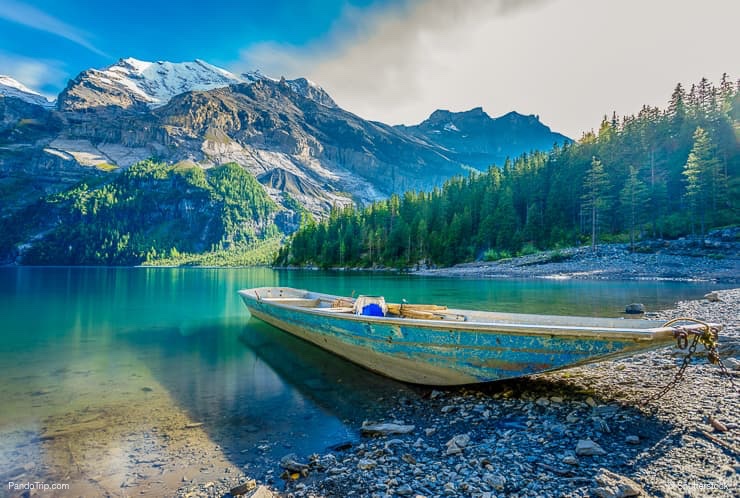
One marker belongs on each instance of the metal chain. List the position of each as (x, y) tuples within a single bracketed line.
[(708, 339), (682, 339), (727, 374)]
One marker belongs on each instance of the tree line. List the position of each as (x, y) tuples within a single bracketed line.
[(663, 173)]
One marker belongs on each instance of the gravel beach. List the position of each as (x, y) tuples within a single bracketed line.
[(578, 432), (715, 260)]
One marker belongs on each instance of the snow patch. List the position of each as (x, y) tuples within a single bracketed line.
[(84, 152)]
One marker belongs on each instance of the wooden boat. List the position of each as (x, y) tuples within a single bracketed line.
[(433, 345)]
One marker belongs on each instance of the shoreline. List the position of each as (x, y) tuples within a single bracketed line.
[(575, 432), (715, 260), (609, 262)]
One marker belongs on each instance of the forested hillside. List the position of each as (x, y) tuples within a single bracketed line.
[(659, 174), (149, 212)]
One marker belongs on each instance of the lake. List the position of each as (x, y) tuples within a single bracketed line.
[(142, 378)]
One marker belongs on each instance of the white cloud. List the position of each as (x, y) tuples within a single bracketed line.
[(33, 73), (26, 15), (570, 61)]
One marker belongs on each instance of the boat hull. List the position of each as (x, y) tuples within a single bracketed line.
[(444, 352)]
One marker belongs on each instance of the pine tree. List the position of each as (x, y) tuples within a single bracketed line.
[(634, 198), (595, 199), (705, 182)]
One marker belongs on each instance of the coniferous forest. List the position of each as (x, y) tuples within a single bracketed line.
[(664, 173), (151, 213)]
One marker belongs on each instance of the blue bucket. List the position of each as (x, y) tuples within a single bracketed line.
[(372, 309)]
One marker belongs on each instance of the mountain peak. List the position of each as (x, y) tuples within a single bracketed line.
[(10, 87), (131, 82), (479, 140), (442, 116)]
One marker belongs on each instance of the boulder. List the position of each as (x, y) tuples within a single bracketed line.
[(712, 297), (634, 308)]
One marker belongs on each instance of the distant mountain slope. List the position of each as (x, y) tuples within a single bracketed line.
[(479, 140), (10, 87)]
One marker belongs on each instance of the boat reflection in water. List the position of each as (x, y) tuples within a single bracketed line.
[(344, 390)]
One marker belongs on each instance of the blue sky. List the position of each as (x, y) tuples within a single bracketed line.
[(569, 61), (70, 36)]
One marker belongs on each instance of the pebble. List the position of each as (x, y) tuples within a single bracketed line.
[(366, 464), (371, 429), (613, 485), (586, 447), (542, 401), (404, 490), (457, 444)]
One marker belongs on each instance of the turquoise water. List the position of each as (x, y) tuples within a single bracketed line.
[(134, 346)]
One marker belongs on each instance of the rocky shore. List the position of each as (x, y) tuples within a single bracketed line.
[(715, 259), (580, 432)]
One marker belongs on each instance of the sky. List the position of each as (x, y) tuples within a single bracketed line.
[(568, 61)]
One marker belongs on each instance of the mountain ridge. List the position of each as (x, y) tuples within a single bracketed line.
[(480, 140), (306, 152)]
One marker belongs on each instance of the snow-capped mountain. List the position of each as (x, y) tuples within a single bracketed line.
[(157, 82), (289, 134), (132, 82), (14, 88)]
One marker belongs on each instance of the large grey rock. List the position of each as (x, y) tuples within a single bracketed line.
[(712, 297), (634, 308)]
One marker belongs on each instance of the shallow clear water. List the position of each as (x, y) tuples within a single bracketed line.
[(81, 342)]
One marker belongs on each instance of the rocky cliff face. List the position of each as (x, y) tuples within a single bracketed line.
[(288, 133)]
